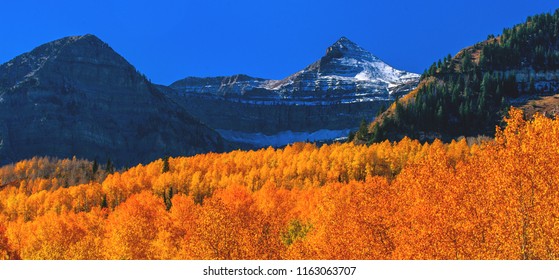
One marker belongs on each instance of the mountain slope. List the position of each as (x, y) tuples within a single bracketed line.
[(77, 96), (467, 95), (322, 102)]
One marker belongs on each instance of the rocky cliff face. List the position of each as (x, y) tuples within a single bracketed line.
[(76, 96), (225, 86), (324, 101)]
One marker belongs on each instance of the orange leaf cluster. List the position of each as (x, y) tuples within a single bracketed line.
[(405, 200)]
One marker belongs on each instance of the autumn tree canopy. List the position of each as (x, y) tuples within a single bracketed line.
[(406, 200)]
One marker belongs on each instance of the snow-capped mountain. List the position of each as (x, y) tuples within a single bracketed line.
[(321, 102), (348, 71), (346, 74)]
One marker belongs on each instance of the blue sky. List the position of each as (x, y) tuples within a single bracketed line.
[(169, 40)]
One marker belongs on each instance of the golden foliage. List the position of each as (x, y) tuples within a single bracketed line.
[(405, 200)]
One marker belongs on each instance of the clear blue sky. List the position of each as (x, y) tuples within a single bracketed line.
[(169, 40)]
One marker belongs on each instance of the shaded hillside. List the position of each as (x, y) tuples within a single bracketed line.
[(466, 95), (77, 97)]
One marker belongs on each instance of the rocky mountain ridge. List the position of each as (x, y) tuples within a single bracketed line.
[(322, 102), (77, 97)]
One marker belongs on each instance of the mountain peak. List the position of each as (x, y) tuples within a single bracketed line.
[(91, 38), (57, 45), (346, 60), (345, 42), (344, 47), (71, 58), (88, 40), (89, 35), (54, 48)]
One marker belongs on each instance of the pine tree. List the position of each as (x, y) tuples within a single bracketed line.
[(532, 88), (382, 109), (167, 198), (109, 168), (363, 130), (95, 167), (466, 62), (104, 203), (165, 165)]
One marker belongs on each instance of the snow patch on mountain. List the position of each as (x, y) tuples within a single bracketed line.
[(282, 138)]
